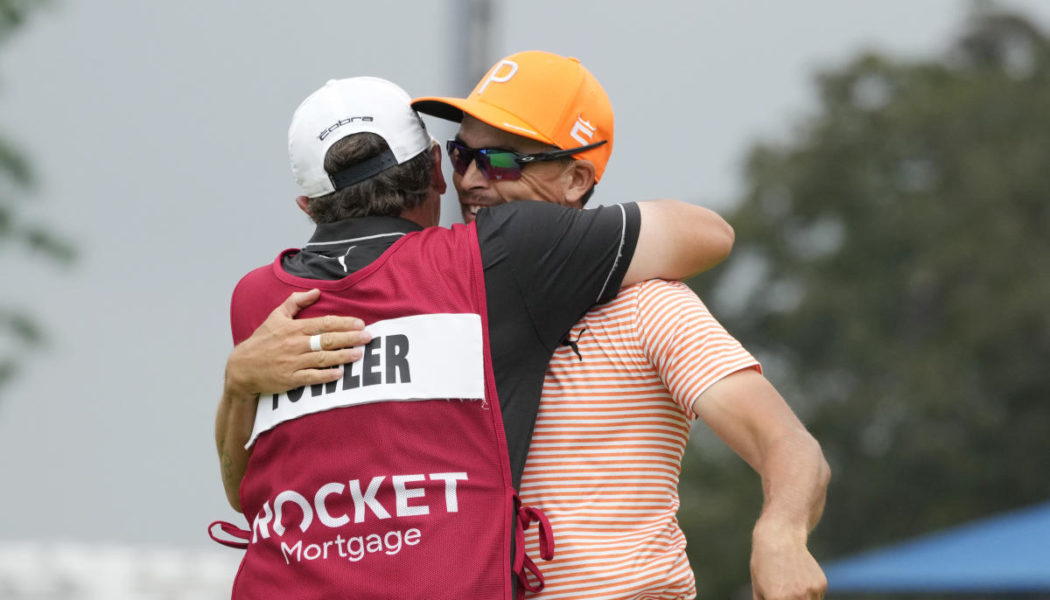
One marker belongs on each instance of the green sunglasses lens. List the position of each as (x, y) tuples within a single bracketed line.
[(501, 165), (497, 165), (502, 160)]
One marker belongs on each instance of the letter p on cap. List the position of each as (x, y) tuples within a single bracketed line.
[(494, 75)]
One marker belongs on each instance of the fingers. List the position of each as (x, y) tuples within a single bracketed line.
[(323, 366), (329, 323), (339, 340), (306, 377), (324, 359), (298, 301), (811, 589)]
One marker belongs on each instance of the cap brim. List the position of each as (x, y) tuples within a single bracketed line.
[(453, 109), (441, 108)]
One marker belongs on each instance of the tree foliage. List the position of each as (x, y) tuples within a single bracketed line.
[(896, 251), (16, 181)]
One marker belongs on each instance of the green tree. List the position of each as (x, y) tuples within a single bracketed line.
[(892, 272), (16, 181)]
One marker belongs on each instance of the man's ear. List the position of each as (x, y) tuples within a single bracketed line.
[(437, 177), (304, 205), (579, 178)]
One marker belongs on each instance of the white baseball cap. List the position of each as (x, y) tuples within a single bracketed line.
[(344, 107)]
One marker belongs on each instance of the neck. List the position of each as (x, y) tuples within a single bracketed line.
[(427, 214), (416, 216)]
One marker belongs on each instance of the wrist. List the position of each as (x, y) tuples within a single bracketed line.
[(237, 388), (778, 529), (238, 376)]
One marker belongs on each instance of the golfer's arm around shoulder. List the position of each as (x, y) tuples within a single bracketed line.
[(677, 240)]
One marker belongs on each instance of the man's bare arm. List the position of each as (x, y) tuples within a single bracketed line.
[(746, 412), (677, 240), (234, 417), (276, 358)]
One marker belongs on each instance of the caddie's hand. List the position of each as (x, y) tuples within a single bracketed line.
[(782, 567), (285, 353)]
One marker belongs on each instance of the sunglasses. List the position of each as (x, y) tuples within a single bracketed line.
[(502, 165)]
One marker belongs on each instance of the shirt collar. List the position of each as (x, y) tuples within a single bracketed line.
[(335, 238)]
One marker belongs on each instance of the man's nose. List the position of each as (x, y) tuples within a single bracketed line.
[(473, 177)]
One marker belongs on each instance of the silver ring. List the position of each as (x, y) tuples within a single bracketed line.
[(315, 343)]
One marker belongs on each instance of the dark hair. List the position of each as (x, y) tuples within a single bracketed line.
[(396, 189)]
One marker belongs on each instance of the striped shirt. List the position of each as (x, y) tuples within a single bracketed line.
[(608, 443)]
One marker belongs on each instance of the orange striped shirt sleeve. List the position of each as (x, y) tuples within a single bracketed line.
[(690, 349)]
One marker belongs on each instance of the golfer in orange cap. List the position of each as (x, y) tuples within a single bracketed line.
[(623, 390)]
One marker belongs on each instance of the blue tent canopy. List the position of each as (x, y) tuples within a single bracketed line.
[(1005, 553)]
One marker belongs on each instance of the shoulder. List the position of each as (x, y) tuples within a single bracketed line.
[(656, 290), (651, 296), (430, 236), (663, 303), (659, 291), (524, 213), (254, 280), (259, 284), (519, 215), (251, 301)]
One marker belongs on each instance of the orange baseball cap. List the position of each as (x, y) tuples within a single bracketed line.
[(541, 96)]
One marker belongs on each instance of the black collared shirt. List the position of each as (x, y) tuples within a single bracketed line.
[(545, 266), (341, 248)]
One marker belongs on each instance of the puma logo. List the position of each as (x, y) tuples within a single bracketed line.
[(574, 344)]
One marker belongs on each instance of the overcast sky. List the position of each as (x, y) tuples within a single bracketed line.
[(158, 133)]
